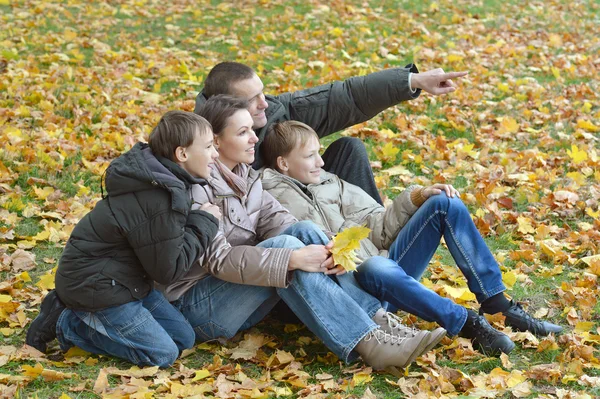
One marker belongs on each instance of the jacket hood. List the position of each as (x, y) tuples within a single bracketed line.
[(139, 169)]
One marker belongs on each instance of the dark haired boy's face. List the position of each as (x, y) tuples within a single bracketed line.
[(200, 155), (252, 90)]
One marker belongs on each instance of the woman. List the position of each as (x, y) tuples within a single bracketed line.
[(263, 254)]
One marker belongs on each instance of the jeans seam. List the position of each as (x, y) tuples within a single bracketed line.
[(469, 263), (434, 214)]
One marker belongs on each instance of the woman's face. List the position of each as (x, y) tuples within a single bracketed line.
[(237, 140)]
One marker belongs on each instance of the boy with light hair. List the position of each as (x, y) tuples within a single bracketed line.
[(402, 241)]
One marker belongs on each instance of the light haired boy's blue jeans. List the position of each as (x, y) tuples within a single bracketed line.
[(337, 310), (395, 280)]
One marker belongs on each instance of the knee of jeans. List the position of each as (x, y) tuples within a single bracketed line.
[(438, 202), (374, 270), (164, 356), (308, 279), (185, 339), (287, 241), (456, 205)]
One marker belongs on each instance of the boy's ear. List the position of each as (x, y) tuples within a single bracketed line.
[(181, 154), (282, 164)]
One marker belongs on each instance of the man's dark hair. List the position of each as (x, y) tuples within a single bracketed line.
[(223, 76), (176, 129), (219, 108)]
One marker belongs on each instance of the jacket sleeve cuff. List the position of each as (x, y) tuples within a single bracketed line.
[(416, 196), (412, 68), (282, 275)]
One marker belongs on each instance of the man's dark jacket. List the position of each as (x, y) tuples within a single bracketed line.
[(142, 231), (335, 106)]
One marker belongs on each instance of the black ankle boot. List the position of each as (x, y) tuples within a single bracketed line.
[(42, 329), (520, 320), (486, 338)]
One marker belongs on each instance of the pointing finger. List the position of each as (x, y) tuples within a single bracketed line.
[(452, 75)]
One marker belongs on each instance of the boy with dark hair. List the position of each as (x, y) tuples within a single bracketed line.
[(402, 241), (144, 230)]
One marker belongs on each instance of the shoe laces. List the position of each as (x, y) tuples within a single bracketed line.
[(383, 338), (395, 323), (484, 328)]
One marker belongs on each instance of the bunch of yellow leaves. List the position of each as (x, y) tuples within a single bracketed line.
[(345, 245)]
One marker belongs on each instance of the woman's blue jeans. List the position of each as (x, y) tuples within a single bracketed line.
[(335, 309), (395, 280)]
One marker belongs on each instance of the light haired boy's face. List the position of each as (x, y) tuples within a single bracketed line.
[(304, 162)]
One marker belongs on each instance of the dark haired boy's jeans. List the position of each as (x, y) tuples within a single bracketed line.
[(149, 332), (396, 280)]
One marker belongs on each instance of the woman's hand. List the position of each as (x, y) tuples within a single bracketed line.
[(438, 188), (212, 209), (311, 258)]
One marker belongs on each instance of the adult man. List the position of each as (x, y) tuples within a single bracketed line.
[(329, 108)]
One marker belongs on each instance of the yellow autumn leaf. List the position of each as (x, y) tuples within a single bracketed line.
[(555, 40), (576, 155), (33, 371), (344, 245), (509, 279), (362, 378), (584, 326), (46, 282), (591, 213), (64, 396), (201, 374), (509, 125), (347, 260), (525, 226), (388, 152), (587, 125), (83, 190), (25, 277), (459, 293), (337, 32), (7, 331), (43, 193)]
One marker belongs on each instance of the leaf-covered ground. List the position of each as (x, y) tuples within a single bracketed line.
[(80, 82)]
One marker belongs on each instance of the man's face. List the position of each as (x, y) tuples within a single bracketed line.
[(252, 90)]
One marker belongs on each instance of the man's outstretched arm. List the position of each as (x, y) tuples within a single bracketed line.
[(335, 106)]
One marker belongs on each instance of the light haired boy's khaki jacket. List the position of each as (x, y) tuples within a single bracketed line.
[(232, 255), (336, 205)]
